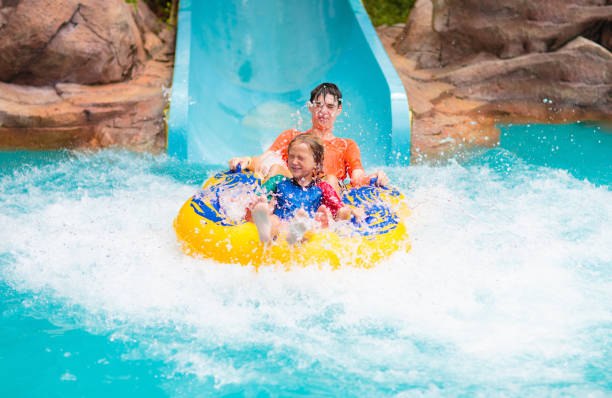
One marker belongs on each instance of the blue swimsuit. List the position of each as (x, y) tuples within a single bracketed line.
[(290, 196)]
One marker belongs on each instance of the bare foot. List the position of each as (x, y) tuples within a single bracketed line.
[(324, 217), (261, 218), (297, 228)]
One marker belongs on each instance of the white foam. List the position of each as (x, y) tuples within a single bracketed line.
[(509, 274)]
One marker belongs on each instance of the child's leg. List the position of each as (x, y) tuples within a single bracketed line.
[(298, 227), (302, 223), (267, 224), (323, 216)]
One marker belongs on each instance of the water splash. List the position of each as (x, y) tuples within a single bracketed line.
[(509, 273)]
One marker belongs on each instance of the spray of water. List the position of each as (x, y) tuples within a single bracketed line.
[(506, 288)]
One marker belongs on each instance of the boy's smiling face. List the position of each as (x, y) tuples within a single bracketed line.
[(324, 111), (301, 162)]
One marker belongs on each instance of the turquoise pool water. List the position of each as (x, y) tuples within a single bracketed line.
[(506, 291)]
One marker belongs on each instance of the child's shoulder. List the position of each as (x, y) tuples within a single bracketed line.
[(327, 190), (276, 178), (290, 134), (324, 185), (272, 183)]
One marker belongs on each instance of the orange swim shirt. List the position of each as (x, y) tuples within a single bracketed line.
[(342, 155)]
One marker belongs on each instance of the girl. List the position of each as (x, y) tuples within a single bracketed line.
[(298, 199)]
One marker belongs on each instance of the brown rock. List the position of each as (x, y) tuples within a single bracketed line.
[(45, 137), (92, 42), (168, 36), (145, 19), (468, 65), (153, 44), (128, 113), (577, 75), (418, 40), (26, 31), (443, 32)]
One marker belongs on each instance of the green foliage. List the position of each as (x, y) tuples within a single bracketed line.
[(381, 12), (388, 12), (161, 8)]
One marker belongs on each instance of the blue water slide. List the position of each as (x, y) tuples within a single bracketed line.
[(244, 70)]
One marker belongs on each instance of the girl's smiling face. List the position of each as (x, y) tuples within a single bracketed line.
[(301, 162)]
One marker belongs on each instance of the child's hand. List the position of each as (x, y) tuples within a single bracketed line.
[(244, 163), (381, 178), (358, 213)]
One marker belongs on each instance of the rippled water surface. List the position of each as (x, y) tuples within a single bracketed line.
[(506, 290)]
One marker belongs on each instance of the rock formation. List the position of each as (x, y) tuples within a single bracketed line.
[(82, 74), (469, 64), (92, 73)]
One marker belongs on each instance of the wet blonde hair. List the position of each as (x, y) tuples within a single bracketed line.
[(316, 148)]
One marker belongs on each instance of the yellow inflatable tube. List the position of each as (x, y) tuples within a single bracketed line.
[(204, 230)]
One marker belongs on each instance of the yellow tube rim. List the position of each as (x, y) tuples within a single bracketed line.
[(229, 242), (240, 244)]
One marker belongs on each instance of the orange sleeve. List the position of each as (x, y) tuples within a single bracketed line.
[(281, 142), (352, 157)]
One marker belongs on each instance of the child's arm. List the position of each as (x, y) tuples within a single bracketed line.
[(330, 199), (360, 178), (339, 211), (269, 187)]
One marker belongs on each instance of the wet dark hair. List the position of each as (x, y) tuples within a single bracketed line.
[(326, 88), (316, 147)]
